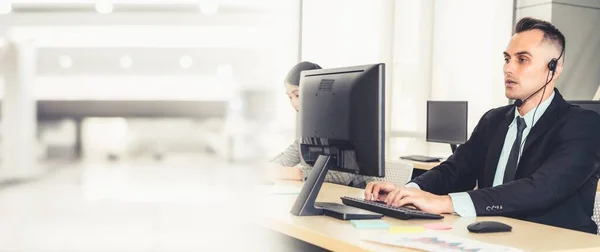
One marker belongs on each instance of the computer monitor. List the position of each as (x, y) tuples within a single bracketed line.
[(447, 122), (589, 105), (341, 126)]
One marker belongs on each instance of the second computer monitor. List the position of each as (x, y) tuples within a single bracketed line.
[(589, 105), (447, 122)]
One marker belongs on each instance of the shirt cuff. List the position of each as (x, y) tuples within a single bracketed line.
[(463, 204), (413, 185)]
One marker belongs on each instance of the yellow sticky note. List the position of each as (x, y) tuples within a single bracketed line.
[(406, 229)]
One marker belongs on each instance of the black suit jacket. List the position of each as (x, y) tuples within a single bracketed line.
[(556, 178)]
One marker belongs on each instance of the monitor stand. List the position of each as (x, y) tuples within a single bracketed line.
[(305, 204)]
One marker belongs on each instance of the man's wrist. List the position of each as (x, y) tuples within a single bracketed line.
[(448, 205)]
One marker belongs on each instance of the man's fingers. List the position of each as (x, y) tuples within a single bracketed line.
[(406, 196), (389, 186), (405, 201), (392, 195), (397, 198), (398, 194), (376, 189), (369, 191)]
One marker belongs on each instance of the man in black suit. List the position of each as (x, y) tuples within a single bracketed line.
[(536, 160)]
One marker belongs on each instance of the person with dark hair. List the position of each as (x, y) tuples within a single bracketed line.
[(289, 164), (534, 160), (292, 81)]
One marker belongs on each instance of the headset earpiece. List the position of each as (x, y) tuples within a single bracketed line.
[(552, 64)]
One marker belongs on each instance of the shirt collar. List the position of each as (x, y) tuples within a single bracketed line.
[(529, 115)]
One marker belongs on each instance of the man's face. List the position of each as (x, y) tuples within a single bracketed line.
[(526, 64)]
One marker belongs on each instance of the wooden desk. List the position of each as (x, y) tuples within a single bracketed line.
[(423, 165), (338, 235)]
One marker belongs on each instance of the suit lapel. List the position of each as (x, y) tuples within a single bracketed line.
[(495, 149), (545, 121)]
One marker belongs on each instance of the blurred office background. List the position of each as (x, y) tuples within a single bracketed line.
[(123, 121), (155, 101), (124, 79)]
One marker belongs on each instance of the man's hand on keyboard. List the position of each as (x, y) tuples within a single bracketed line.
[(378, 190), (423, 200), (402, 196)]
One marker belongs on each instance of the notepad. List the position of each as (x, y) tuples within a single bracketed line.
[(370, 224), (406, 229)]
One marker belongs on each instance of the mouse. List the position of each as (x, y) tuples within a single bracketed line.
[(488, 227)]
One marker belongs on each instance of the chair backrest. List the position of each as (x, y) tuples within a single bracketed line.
[(397, 172), (596, 216)]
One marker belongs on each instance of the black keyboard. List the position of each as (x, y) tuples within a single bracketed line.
[(421, 158), (403, 213)]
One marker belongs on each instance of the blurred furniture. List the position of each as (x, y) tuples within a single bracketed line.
[(596, 216), (397, 172), (77, 110), (423, 165)]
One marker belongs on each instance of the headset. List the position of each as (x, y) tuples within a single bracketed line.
[(518, 103)]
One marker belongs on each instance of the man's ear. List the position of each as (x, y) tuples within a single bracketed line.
[(559, 69)]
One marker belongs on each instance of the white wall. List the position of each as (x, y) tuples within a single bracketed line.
[(541, 9), (338, 33), (469, 37), (413, 41), (580, 25)]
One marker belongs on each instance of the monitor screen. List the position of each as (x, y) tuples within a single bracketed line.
[(590, 105), (447, 121)]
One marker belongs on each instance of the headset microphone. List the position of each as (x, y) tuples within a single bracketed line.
[(552, 67), (520, 102)]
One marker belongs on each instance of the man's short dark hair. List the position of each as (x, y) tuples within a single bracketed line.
[(551, 33), (293, 76)]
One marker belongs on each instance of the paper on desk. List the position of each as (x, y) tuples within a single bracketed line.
[(406, 229), (430, 241)]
